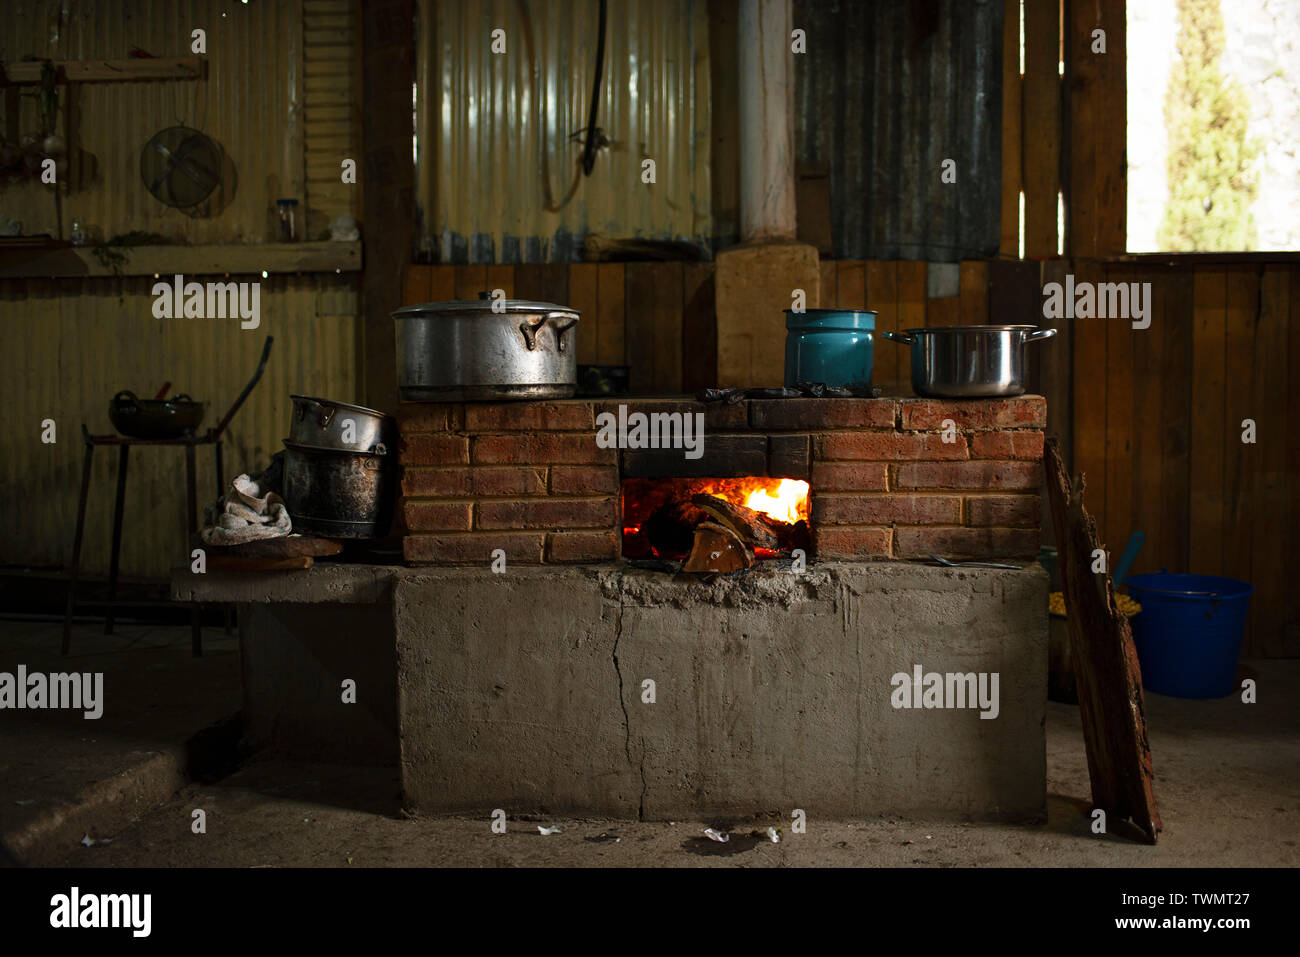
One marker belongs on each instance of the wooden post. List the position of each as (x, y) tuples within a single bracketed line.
[(767, 207), (388, 212)]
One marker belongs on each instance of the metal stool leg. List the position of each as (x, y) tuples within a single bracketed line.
[(221, 490), (76, 548), (123, 458), (191, 513)]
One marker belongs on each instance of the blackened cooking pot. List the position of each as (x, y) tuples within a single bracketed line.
[(154, 418), (963, 362), (337, 493), (485, 350)]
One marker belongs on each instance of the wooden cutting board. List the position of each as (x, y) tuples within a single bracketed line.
[(219, 561), (290, 546)]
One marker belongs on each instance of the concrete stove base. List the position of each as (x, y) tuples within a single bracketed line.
[(529, 690)]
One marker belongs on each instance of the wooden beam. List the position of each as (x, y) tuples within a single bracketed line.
[(1012, 141), (107, 71), (388, 216), (217, 260), (1097, 120), (1042, 127)]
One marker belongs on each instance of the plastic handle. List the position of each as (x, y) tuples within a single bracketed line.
[(899, 337), (1135, 543), (1039, 334)]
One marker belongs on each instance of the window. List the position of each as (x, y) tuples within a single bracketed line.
[(1213, 125)]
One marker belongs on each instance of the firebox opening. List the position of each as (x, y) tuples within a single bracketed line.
[(661, 515)]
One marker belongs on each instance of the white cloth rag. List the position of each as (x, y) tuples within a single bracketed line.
[(248, 514)]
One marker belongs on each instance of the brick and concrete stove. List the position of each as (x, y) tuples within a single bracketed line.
[(576, 680), (572, 680)]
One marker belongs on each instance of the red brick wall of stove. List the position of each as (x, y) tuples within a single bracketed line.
[(528, 477)]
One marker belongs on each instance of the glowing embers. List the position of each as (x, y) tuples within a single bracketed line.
[(661, 516)]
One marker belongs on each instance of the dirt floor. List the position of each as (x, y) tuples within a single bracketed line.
[(1227, 779)]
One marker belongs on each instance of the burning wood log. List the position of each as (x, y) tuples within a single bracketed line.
[(717, 549), (750, 526)]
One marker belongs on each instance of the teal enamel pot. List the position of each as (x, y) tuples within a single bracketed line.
[(832, 346)]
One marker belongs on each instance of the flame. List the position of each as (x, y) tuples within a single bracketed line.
[(787, 502)]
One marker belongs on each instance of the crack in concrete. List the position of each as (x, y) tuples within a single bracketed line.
[(627, 721)]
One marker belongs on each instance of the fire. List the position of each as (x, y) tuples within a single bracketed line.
[(788, 502), (659, 518)]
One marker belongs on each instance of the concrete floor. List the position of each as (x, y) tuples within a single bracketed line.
[(62, 775), (1227, 779)]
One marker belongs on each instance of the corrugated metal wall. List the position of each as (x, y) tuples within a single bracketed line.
[(250, 102), (70, 345), (332, 129), (498, 167), (271, 97), (244, 96), (886, 92)]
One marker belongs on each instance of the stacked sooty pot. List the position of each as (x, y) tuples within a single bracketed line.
[(340, 469)]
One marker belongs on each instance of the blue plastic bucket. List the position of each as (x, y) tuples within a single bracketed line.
[(1189, 632), (832, 346)]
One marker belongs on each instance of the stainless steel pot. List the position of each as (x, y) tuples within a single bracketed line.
[(969, 361), (339, 494), (458, 351), (324, 424)]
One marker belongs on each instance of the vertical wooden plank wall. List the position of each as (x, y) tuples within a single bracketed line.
[(1158, 429)]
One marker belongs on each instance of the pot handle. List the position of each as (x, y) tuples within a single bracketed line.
[(530, 327), (126, 400), (1039, 334), (899, 337), (562, 323), (323, 413)]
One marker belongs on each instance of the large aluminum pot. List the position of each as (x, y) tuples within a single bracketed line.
[(466, 351), (324, 424), (339, 494), (962, 362)]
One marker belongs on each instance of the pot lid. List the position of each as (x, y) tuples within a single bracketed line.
[(841, 319), (482, 307), (911, 332)]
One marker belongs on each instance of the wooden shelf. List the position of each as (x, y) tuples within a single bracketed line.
[(242, 259), (106, 71)]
